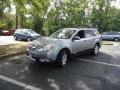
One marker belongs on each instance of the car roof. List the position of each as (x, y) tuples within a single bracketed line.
[(80, 28), (113, 31), (24, 29), (69, 28)]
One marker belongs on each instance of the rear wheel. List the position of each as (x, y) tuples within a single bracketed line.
[(62, 58), (116, 39), (96, 49)]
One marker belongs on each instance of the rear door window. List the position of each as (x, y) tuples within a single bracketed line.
[(89, 33), (112, 33)]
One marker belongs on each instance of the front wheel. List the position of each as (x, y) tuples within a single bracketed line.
[(62, 58), (96, 49), (28, 39), (15, 37)]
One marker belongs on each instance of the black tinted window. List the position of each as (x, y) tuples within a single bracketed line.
[(81, 34), (105, 33), (112, 33)]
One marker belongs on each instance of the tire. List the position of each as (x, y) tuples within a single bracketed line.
[(116, 39), (28, 39), (96, 49), (37, 60), (62, 58), (15, 37)]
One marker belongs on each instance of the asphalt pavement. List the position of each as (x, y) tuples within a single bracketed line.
[(86, 72)]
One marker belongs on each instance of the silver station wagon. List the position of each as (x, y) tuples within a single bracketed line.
[(64, 43), (111, 35)]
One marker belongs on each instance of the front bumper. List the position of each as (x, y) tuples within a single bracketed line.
[(39, 56), (35, 37)]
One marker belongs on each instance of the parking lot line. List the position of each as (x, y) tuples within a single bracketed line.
[(108, 64), (116, 53), (18, 83), (115, 44)]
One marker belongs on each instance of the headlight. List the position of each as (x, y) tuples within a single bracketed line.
[(47, 47), (42, 49), (50, 46)]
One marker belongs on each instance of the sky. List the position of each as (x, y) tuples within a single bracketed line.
[(115, 3)]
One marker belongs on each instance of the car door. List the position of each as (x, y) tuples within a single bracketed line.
[(90, 39), (108, 35), (18, 33), (78, 45), (105, 35), (24, 34)]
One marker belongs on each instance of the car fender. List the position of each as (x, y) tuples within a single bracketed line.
[(58, 47)]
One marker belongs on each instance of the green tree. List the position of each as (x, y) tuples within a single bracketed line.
[(3, 5)]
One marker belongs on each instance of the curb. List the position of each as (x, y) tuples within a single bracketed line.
[(108, 44), (114, 44), (10, 55)]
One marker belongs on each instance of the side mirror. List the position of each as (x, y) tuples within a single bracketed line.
[(76, 38)]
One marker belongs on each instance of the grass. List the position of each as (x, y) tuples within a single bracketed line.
[(6, 50), (107, 43), (14, 48)]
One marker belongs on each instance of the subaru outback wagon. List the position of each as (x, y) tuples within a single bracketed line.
[(64, 43)]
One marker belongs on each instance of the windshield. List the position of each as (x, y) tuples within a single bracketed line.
[(31, 31), (63, 34)]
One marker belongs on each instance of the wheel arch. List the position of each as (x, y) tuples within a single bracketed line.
[(58, 58), (98, 43), (67, 49), (117, 37)]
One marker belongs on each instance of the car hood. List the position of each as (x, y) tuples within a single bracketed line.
[(43, 41), (35, 35)]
